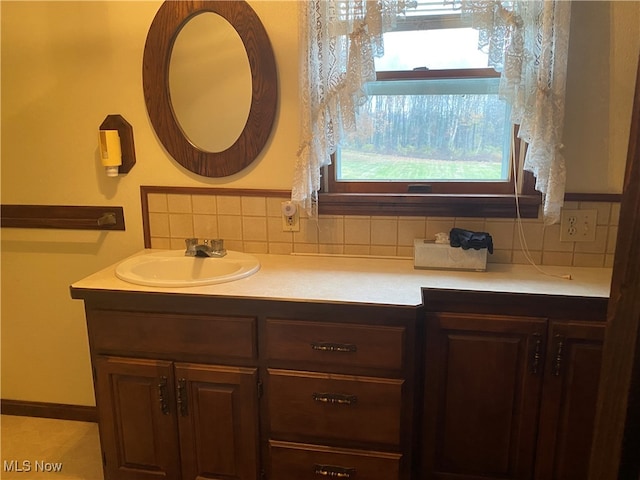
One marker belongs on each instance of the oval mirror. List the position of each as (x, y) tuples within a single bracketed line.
[(201, 142), (210, 82)]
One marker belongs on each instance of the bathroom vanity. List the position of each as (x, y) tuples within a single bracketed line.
[(510, 384), (330, 367)]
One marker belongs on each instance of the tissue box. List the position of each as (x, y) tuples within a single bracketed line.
[(428, 254)]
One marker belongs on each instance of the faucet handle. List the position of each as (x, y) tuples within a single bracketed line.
[(191, 246), (217, 244), (216, 247)]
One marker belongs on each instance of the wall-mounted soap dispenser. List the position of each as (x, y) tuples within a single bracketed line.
[(110, 151), (117, 152)]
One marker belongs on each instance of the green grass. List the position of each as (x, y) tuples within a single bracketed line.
[(371, 166)]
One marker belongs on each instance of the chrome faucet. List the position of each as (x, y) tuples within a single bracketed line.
[(208, 248)]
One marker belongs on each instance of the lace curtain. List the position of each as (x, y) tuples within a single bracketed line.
[(527, 40), (339, 40)]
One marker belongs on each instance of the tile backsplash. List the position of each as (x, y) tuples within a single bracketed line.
[(252, 223)]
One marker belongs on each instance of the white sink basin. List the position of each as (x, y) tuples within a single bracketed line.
[(172, 268)]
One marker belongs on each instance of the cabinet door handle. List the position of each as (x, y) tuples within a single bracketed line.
[(336, 398), (162, 395), (557, 361), (537, 353), (182, 397), (334, 471), (334, 347)]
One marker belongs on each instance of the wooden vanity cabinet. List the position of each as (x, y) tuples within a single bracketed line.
[(198, 387), (472, 385), (510, 385), (177, 393), (160, 419), (339, 393)]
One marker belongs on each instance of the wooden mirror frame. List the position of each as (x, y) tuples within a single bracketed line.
[(166, 25)]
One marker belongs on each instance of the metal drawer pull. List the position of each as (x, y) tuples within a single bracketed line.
[(557, 362), (333, 471), (537, 353), (337, 398), (162, 395), (183, 406), (334, 347)]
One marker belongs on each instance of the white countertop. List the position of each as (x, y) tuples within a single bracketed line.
[(372, 280)]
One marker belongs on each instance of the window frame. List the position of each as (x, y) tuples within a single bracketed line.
[(447, 186), (435, 198), (437, 204)]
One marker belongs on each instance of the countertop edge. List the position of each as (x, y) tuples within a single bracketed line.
[(365, 281)]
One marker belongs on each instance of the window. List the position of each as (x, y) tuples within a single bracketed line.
[(433, 122)]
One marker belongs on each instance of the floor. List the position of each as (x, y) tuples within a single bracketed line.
[(43, 448)]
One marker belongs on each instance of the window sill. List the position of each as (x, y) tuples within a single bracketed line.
[(428, 205)]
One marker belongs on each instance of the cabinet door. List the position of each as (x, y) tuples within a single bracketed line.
[(218, 421), (482, 386), (569, 396), (137, 418)]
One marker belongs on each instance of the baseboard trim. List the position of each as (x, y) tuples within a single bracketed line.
[(58, 411)]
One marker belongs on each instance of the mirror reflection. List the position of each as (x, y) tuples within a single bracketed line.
[(210, 82)]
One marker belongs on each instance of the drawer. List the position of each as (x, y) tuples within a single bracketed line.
[(172, 334), (294, 461), (335, 344), (337, 407)]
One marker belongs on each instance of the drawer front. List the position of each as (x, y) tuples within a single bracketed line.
[(173, 335), (292, 461), (335, 344), (337, 407)]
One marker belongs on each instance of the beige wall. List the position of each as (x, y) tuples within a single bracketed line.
[(66, 65), (604, 46)]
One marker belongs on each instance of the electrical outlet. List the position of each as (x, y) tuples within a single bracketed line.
[(290, 217), (291, 223), (578, 225)]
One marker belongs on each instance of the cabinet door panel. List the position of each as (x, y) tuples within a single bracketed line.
[(481, 395), (569, 399), (218, 421), (137, 419)]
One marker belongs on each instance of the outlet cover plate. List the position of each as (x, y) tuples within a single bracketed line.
[(578, 225), (291, 223)]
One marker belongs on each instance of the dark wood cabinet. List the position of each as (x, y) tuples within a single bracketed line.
[(569, 396), (340, 395), (481, 395), (218, 421), (468, 386), (139, 437), (177, 392), (160, 419), (509, 396), (199, 387)]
